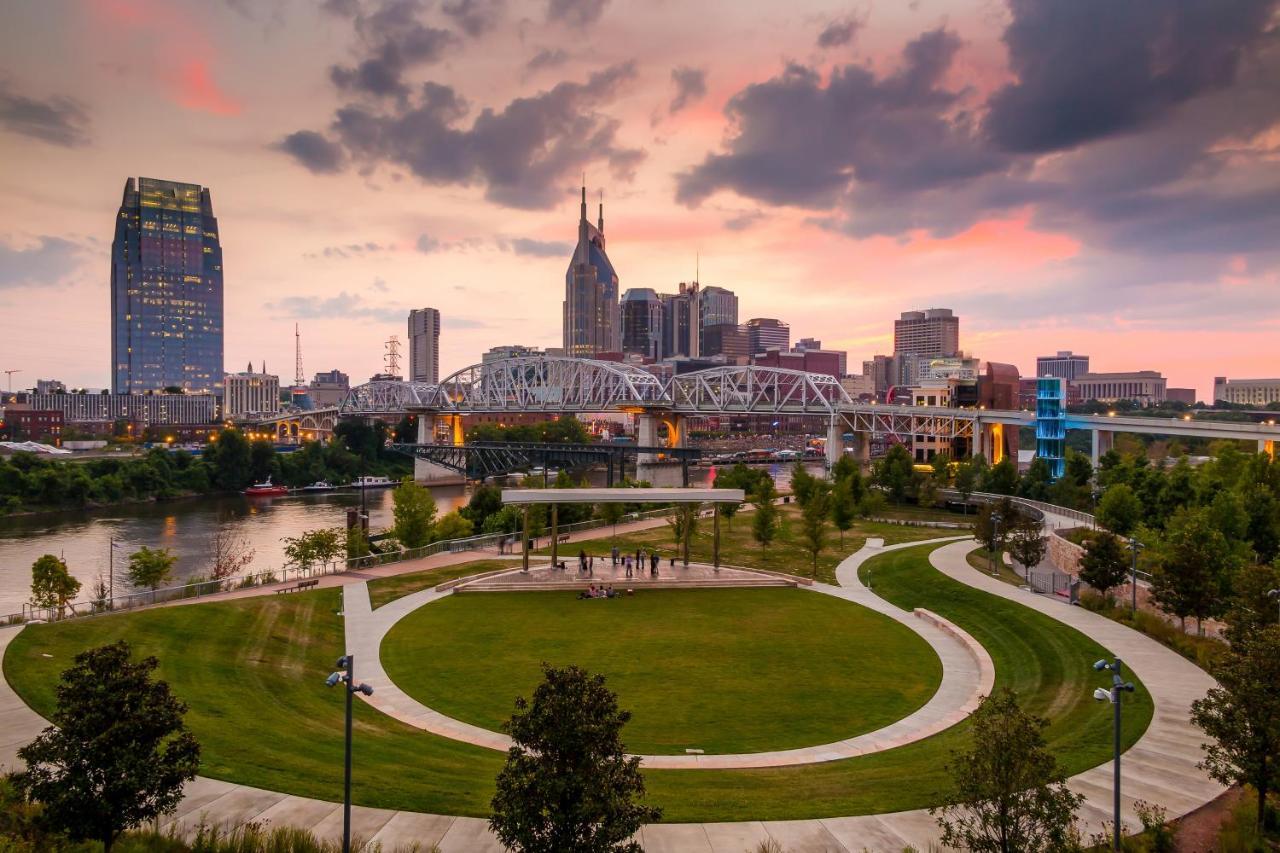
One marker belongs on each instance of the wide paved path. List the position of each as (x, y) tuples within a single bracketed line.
[(1159, 768)]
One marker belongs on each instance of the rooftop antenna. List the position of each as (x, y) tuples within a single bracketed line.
[(697, 267), (600, 226), (297, 349), (391, 361)]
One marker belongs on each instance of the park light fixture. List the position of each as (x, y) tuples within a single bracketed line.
[(996, 518), (1135, 546), (1118, 688), (345, 675)]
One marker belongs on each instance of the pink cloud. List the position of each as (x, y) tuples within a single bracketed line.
[(196, 90)]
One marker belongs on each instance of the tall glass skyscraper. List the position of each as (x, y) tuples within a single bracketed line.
[(166, 290), (591, 317)]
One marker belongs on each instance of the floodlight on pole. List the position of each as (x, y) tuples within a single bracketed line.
[(345, 675), (1118, 688)]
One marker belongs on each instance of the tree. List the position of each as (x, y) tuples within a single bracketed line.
[(230, 553), (1242, 715), (802, 483), (568, 784), (151, 568), (844, 507), (846, 466), (990, 532), (813, 522), (414, 512), (1251, 607), (926, 489), (52, 584), (1027, 544), (683, 521), (966, 482), (452, 526), (118, 752), (1001, 478), (356, 543), (1037, 482), (485, 501), (1010, 796), (1192, 563), (941, 463), (228, 456), (313, 546), (611, 513), (1105, 564), (893, 473), (764, 522), (1119, 511)]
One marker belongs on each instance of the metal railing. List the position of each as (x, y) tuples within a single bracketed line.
[(204, 587)]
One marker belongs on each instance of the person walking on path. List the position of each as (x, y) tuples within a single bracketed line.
[(614, 553)]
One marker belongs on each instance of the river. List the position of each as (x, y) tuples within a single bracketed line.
[(186, 527)]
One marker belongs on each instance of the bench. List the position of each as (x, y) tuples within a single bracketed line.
[(300, 585), (564, 537)]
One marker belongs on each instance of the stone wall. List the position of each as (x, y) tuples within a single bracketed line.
[(1064, 554)]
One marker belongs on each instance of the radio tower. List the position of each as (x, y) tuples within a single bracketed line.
[(297, 355), (391, 361)]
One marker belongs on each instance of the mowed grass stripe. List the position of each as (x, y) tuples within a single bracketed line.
[(736, 670)]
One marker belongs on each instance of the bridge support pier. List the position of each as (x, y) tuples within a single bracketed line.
[(989, 441), (1267, 446), (431, 473), (1103, 441), (835, 442)]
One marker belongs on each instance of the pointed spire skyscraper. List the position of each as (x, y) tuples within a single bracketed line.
[(591, 315)]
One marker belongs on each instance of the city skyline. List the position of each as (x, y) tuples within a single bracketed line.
[(341, 236)]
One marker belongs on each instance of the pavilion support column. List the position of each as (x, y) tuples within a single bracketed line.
[(715, 536), (555, 535), (524, 540)]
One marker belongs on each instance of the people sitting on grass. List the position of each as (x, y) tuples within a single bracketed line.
[(594, 591)]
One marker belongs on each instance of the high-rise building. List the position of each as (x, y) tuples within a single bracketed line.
[(50, 386), (166, 290), (1145, 387), (329, 388), (933, 332), (591, 317), (642, 322), (1065, 365), (717, 306), (680, 319), (250, 393), (764, 333), (1247, 392), (424, 345), (728, 340)]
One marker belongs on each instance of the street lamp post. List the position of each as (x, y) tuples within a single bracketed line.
[(1135, 546), (1118, 687), (996, 518), (346, 677)]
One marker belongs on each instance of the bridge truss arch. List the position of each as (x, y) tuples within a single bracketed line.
[(549, 383), (757, 390), (388, 396)]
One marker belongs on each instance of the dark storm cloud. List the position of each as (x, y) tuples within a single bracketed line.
[(524, 154), (547, 57), (392, 40), (313, 151), (575, 13), (837, 33), (474, 17), (48, 262), (536, 248), (1087, 69), (800, 142), (57, 120), (691, 85)]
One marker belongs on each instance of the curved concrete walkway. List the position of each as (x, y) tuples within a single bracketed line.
[(1160, 767), (967, 674)]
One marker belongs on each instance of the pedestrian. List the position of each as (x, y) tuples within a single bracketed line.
[(653, 561), (628, 571), (614, 553)]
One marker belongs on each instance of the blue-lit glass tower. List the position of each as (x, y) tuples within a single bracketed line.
[(166, 290), (1051, 423)]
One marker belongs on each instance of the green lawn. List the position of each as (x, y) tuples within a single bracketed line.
[(981, 560), (252, 671), (738, 548), (736, 670), (384, 590)]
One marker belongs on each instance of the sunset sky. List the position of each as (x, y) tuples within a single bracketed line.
[(1065, 174)]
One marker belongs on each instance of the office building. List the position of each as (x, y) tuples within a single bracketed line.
[(642, 323), (727, 340), (933, 332), (1065, 365), (1145, 387), (329, 388), (591, 316), (717, 306), (143, 408), (765, 333), (424, 345), (1180, 395), (20, 423), (250, 393), (50, 386), (166, 290), (1246, 392), (878, 368), (809, 361), (859, 386), (512, 351), (1000, 387)]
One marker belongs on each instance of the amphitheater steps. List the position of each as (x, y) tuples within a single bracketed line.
[(662, 583)]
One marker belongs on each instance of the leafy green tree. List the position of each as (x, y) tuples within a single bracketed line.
[(118, 752), (683, 521), (262, 453), (611, 513), (1242, 715), (993, 523), (485, 501), (315, 546), (452, 526), (229, 458), (1009, 794), (843, 507), (846, 466), (1105, 564), (151, 568), (764, 521), (356, 543), (568, 783), (1193, 562), (926, 489), (52, 584), (893, 473), (1079, 469), (414, 514), (941, 463), (1037, 482), (1119, 511), (802, 483), (1001, 478), (1251, 607), (1027, 543), (966, 482), (813, 522)]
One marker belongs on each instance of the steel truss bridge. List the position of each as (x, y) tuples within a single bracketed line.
[(479, 460), (561, 385)]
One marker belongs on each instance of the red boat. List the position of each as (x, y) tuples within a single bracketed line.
[(266, 488)]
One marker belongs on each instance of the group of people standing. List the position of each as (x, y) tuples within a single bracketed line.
[(634, 565)]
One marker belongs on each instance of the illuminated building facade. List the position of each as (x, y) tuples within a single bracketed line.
[(166, 290), (591, 317)]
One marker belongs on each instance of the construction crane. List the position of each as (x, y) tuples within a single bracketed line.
[(9, 375)]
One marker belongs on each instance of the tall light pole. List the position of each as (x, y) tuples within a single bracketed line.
[(1118, 687), (1135, 546), (346, 677), (996, 518)]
